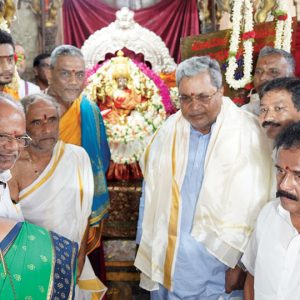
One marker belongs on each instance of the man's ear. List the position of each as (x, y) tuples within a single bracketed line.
[(221, 89), (35, 72), (48, 74)]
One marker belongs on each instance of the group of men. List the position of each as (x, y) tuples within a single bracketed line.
[(205, 214), (209, 174), (56, 148)]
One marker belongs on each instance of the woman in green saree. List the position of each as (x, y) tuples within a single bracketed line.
[(35, 264)]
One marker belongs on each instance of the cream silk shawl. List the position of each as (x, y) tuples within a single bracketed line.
[(60, 199), (236, 185)]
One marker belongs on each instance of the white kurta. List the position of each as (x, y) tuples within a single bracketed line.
[(253, 105), (273, 255), (31, 88), (60, 199), (7, 208)]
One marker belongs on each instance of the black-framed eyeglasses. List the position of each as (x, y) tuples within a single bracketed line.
[(205, 99), (22, 140)]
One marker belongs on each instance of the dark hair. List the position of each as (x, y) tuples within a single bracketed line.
[(6, 38), (37, 60), (289, 84), (289, 137)]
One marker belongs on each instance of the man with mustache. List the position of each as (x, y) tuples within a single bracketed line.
[(81, 124), (53, 183), (206, 176), (13, 139), (22, 245), (279, 105), (272, 255), (271, 63)]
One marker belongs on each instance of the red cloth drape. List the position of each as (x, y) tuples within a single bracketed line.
[(170, 19)]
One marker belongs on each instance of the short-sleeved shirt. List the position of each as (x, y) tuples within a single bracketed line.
[(273, 255)]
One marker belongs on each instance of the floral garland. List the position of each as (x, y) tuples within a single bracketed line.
[(129, 138), (283, 27), (247, 37)]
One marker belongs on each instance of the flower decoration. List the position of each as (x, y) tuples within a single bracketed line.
[(240, 8), (283, 27), (129, 133)]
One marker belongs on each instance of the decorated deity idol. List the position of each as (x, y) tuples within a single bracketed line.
[(134, 102)]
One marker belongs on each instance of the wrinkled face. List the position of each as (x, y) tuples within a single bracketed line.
[(42, 70), (7, 63), (12, 123), (21, 62), (269, 67), (200, 101), (66, 78), (277, 110), (42, 122), (288, 179)]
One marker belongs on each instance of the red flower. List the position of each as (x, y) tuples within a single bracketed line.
[(249, 86), (248, 35), (238, 101), (282, 17)]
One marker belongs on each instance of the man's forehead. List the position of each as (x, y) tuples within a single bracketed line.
[(271, 60), (70, 62), (275, 97), (6, 50)]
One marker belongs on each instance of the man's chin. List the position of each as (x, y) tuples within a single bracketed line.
[(5, 82)]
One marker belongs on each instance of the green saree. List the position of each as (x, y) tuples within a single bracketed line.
[(36, 264)]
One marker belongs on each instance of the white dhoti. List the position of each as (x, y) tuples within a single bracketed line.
[(60, 199)]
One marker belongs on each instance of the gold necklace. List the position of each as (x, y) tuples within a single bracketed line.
[(7, 272)]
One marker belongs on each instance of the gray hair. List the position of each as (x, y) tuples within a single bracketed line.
[(267, 50), (64, 50), (8, 100), (195, 65), (31, 99)]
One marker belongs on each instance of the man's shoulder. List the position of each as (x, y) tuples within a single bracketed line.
[(75, 150), (268, 211)]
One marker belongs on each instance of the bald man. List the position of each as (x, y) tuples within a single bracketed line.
[(13, 139)]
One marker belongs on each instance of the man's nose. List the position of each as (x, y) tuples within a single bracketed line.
[(6, 65), (12, 145), (286, 183)]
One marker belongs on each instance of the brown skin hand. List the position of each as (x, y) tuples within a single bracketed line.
[(249, 287), (234, 279), (82, 251)]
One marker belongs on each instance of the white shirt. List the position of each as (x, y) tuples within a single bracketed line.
[(7, 208), (32, 88), (253, 105), (273, 255)]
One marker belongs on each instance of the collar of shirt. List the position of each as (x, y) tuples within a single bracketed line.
[(285, 215), (5, 176), (198, 133)]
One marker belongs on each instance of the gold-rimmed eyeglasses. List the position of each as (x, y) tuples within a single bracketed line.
[(205, 99), (22, 140)]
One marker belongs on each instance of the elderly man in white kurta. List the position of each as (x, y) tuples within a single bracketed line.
[(53, 183), (207, 174), (272, 255)]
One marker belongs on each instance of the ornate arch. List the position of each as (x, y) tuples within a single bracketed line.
[(125, 32)]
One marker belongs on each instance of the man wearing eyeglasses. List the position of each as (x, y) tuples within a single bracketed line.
[(207, 173), (13, 139), (53, 183)]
